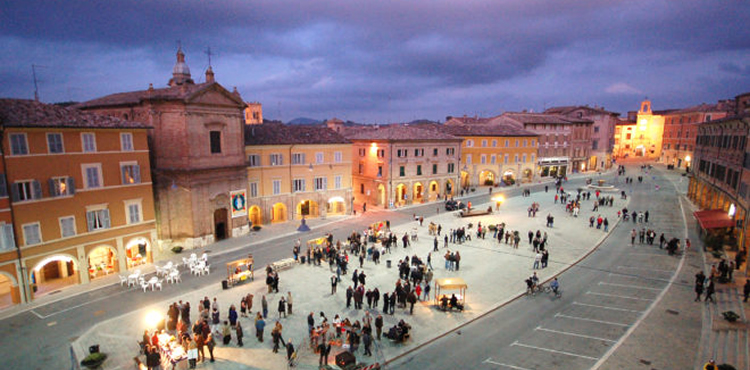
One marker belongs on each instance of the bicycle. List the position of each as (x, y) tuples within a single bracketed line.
[(545, 288)]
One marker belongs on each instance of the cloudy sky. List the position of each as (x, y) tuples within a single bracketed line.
[(386, 60)]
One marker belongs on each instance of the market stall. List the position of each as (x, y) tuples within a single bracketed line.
[(378, 230), (240, 271), (173, 355), (446, 288)]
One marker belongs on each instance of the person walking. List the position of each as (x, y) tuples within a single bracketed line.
[(282, 307), (240, 334), (633, 234), (435, 245), (700, 278), (367, 341), (746, 290), (211, 344), (276, 336), (260, 325), (710, 291), (324, 349), (289, 351), (457, 259)]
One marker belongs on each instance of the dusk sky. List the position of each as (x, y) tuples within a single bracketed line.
[(381, 61)]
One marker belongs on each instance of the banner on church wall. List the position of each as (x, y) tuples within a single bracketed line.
[(239, 203)]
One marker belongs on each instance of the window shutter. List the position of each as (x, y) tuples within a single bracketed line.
[(90, 220), (14, 193), (3, 186), (36, 189), (52, 188), (137, 174), (124, 174), (105, 218), (71, 185), (8, 238)]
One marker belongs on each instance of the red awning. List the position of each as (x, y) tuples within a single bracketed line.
[(713, 219)]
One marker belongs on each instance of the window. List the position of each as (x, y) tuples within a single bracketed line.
[(434, 169), (516, 143), (131, 173), (337, 182), (26, 190), (435, 152), (361, 188), (469, 143), (450, 151), (298, 185), (253, 160), (32, 234), (61, 186), (18, 145), (298, 158), (276, 187), (321, 183), (97, 219), (596, 128), (7, 241), (451, 167), (88, 142), (361, 152), (402, 171), (133, 211), (524, 158), (92, 175), (380, 170), (253, 190), (361, 168), (627, 136), (506, 159), (483, 159), (215, 137), (55, 142), (507, 143), (3, 187), (319, 157), (419, 152), (595, 144), (484, 143), (515, 159), (276, 159), (492, 159), (532, 158), (468, 159), (126, 142), (381, 153), (524, 143), (336, 157), (494, 143), (419, 170)]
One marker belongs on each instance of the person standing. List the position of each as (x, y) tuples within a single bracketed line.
[(349, 296), (710, 291), (633, 234), (537, 260), (276, 336), (334, 282), (289, 302), (192, 352), (367, 341), (435, 245), (211, 344), (240, 334), (700, 279), (282, 307), (457, 259), (386, 302), (260, 325), (324, 350), (264, 305), (379, 324), (355, 278), (746, 290), (310, 323), (289, 351)]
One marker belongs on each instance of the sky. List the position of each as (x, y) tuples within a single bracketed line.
[(384, 61)]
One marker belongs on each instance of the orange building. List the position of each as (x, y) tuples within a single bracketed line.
[(681, 129), (80, 197), (641, 134)]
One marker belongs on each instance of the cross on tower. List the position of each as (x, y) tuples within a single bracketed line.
[(209, 53)]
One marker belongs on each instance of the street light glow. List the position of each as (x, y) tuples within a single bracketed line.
[(152, 319)]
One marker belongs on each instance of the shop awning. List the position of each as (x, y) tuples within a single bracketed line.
[(451, 283), (713, 219)]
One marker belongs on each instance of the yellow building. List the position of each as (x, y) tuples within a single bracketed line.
[(296, 171), (641, 135), (81, 196), (492, 154)]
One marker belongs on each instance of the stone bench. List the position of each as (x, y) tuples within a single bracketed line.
[(283, 264), (475, 212)]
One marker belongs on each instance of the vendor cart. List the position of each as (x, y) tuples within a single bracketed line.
[(240, 271), (443, 288)]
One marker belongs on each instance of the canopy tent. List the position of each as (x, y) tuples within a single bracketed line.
[(317, 242), (447, 284), (713, 219), (240, 270)]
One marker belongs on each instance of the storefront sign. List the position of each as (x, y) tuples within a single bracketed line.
[(239, 203)]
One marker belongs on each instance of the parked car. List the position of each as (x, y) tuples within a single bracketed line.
[(453, 205)]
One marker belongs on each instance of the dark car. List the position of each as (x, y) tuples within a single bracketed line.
[(453, 205)]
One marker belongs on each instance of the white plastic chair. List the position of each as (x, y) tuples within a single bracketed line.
[(206, 270), (144, 285), (159, 270), (159, 284), (123, 280), (177, 278)]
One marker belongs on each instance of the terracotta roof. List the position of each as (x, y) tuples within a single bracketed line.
[(466, 120), (543, 118), (179, 92), (397, 132), (500, 129), (722, 106), (572, 108), (281, 134), (29, 113)]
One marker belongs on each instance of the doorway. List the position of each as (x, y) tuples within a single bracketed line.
[(220, 223)]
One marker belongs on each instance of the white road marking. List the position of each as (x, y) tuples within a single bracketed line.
[(644, 268), (606, 307), (621, 275), (619, 296), (52, 323), (553, 351), (489, 361), (648, 254), (591, 320), (38, 315), (630, 286), (573, 334)]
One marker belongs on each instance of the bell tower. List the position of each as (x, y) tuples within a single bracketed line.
[(181, 71)]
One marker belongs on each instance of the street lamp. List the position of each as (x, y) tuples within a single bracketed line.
[(499, 199), (153, 319)]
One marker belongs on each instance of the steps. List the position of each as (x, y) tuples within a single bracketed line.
[(726, 343)]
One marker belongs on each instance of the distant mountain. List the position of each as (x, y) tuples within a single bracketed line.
[(304, 121), (418, 121)]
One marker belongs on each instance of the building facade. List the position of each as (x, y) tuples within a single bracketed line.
[(721, 173), (641, 134), (253, 113), (198, 155), (80, 197), (602, 135), (297, 171), (681, 129), (398, 165), (494, 154)]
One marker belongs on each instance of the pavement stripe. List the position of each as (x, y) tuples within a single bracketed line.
[(573, 334), (591, 320), (553, 351), (648, 254), (630, 286), (644, 268), (606, 307), (619, 296), (38, 315), (623, 275), (489, 361)]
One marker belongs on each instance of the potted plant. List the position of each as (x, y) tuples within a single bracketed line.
[(94, 360), (256, 227), (177, 249), (730, 316)]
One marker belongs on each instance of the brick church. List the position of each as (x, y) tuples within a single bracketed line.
[(197, 155)]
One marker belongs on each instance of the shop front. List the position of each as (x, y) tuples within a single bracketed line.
[(553, 167)]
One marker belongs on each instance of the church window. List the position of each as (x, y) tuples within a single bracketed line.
[(215, 137)]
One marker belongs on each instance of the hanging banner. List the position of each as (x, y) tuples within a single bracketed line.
[(239, 203)]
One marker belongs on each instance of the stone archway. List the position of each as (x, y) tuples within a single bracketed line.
[(509, 177), (433, 191), (465, 183), (381, 196), (418, 193), (137, 252), (401, 194), (255, 216), (102, 261), (53, 273), (487, 178), (449, 188), (9, 293), (336, 206), (307, 209), (221, 224), (278, 213)]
